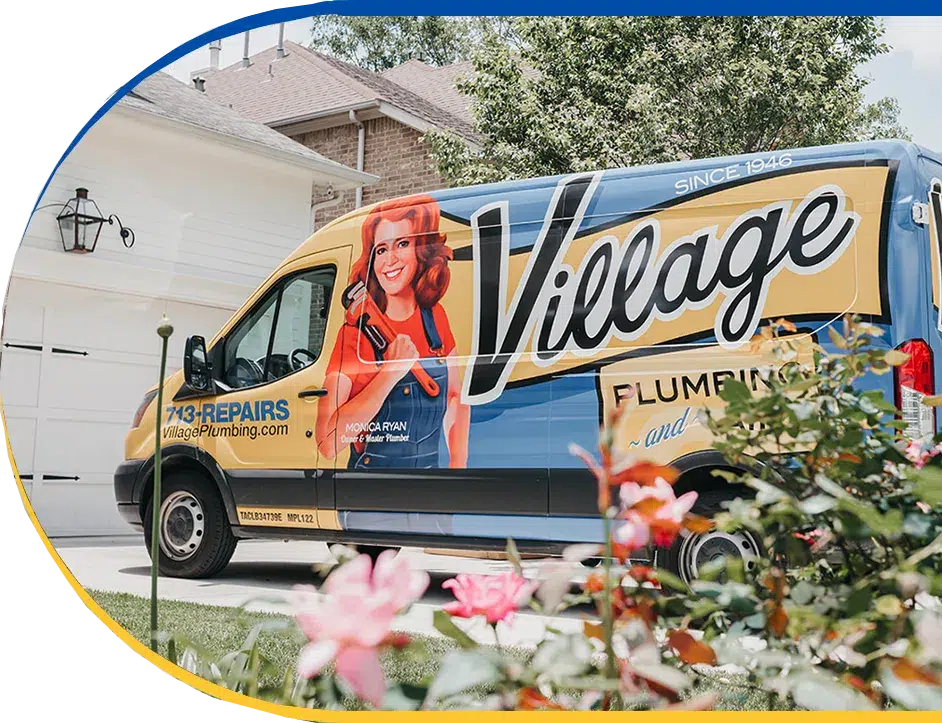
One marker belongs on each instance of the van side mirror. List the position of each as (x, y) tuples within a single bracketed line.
[(195, 365)]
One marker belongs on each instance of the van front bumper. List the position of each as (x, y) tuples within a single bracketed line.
[(125, 481)]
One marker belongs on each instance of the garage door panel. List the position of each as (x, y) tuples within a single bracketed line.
[(129, 325), (77, 447), (109, 323), (77, 508), (24, 319), (91, 384), (22, 433), (19, 377)]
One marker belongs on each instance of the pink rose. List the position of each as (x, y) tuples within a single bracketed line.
[(354, 617), (633, 493), (669, 518), (347, 630), (919, 452), (654, 506), (391, 578), (633, 533), (494, 596)]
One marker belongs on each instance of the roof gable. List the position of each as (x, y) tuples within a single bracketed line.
[(305, 84), (163, 96)]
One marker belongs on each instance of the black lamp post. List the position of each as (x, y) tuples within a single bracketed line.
[(80, 222)]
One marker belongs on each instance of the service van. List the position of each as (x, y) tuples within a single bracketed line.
[(413, 374)]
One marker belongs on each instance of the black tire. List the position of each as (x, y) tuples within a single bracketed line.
[(690, 550), (191, 552), (373, 551)]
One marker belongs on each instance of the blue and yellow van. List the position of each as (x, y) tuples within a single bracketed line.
[(414, 372)]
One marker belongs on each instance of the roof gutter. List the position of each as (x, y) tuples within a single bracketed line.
[(343, 177), (340, 110)]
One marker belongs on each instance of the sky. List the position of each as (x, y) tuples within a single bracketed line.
[(911, 72)]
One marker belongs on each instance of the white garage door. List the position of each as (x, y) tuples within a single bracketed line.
[(75, 364)]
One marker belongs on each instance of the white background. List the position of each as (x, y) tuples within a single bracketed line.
[(63, 60)]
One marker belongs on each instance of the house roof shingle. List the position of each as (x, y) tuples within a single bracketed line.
[(304, 84), (436, 84), (162, 95)]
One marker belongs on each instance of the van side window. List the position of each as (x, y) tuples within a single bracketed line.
[(283, 334)]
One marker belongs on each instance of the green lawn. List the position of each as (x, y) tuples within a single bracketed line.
[(219, 630)]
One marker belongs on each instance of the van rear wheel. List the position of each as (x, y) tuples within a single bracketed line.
[(196, 540), (691, 551), (374, 551)]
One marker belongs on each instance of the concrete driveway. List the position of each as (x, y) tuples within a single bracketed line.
[(262, 572)]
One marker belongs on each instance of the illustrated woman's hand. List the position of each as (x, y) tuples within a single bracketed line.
[(401, 355)]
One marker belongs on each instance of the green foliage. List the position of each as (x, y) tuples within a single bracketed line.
[(841, 612), (382, 42), (582, 93), (849, 608)]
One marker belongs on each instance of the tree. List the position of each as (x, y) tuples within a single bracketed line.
[(579, 93), (381, 42)]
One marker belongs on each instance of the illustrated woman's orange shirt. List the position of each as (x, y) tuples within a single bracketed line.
[(354, 356)]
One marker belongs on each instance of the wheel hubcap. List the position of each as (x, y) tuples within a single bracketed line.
[(699, 550), (182, 524)]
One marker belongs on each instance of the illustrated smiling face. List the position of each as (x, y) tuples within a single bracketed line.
[(394, 262)]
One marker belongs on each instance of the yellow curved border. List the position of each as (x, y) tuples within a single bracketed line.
[(326, 716)]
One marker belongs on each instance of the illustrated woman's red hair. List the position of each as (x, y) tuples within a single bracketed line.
[(432, 275)]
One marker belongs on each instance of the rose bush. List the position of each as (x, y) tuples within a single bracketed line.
[(842, 611)]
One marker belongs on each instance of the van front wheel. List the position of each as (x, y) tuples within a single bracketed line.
[(195, 538)]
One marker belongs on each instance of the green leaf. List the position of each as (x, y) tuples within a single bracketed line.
[(858, 601), (803, 592), (889, 524), (735, 391), (894, 357), (755, 621), (836, 339), (911, 694), (934, 400), (917, 524), (670, 580), (594, 683), (404, 696), (817, 504), (446, 626), (566, 656), (928, 484), (819, 693), (513, 555), (766, 494), (461, 670)]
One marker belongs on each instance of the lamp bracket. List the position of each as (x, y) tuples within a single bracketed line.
[(127, 235)]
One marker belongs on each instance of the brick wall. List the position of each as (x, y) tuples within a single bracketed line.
[(393, 152), (318, 321)]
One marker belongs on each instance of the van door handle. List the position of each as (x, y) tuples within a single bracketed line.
[(304, 394)]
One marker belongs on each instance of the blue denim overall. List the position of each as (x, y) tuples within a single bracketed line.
[(423, 416)]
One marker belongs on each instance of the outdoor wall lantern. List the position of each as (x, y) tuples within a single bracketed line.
[(80, 222)]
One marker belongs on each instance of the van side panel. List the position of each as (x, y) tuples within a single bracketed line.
[(484, 330), (568, 297)]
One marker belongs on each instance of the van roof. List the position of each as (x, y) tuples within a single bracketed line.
[(867, 151)]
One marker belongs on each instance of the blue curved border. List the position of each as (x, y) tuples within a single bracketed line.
[(508, 7)]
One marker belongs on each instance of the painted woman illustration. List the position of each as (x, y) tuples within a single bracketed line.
[(375, 404)]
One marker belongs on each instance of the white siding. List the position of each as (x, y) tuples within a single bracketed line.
[(211, 222)]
